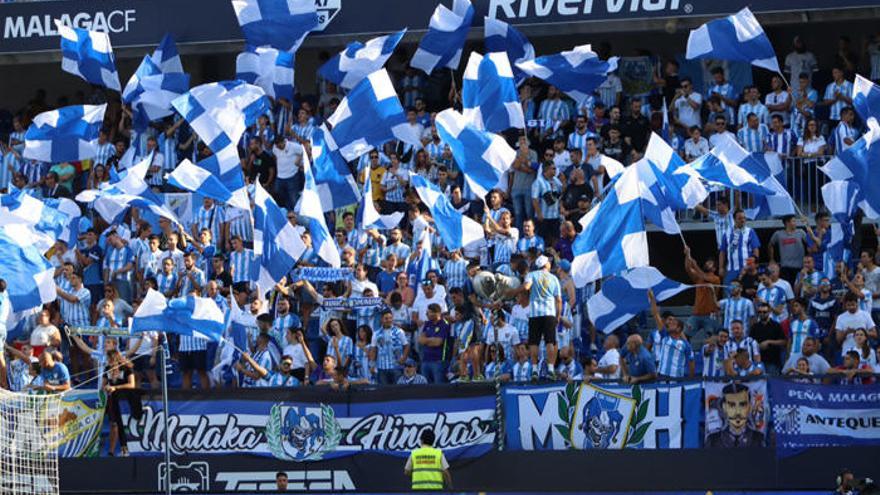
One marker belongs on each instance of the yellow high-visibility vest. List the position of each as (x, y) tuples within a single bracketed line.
[(427, 468)]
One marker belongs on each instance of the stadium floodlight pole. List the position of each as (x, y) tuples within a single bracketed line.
[(165, 352)]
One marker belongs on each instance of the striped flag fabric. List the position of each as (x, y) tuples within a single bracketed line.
[(65, 135), (151, 91), (89, 55), (311, 213), (488, 92), (336, 185), (277, 244), (281, 24), (866, 98), (442, 46), (859, 164), (736, 37), (728, 165), (192, 316), (576, 72), (358, 60), (166, 57), (500, 36), (367, 215), (455, 229), (625, 295), (191, 177), (28, 274), (268, 68)]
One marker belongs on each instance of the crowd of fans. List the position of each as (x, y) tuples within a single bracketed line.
[(410, 327)]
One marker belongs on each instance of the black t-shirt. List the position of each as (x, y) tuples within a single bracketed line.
[(636, 128), (619, 150), (749, 284), (224, 279), (262, 165), (117, 376), (771, 330), (573, 192)]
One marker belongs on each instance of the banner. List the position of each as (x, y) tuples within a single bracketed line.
[(807, 415), (602, 416), (314, 424), (736, 414), (81, 419)]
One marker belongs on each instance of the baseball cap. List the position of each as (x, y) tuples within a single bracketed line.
[(565, 265), (542, 261), (409, 362)]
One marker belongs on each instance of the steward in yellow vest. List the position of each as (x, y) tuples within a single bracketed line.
[(428, 466)]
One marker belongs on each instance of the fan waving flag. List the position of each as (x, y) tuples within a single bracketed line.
[(483, 157), (443, 44), (367, 215), (626, 295), (191, 177), (312, 214), (281, 24), (488, 93), (728, 165), (89, 55), (359, 60), (192, 316), (68, 134), (455, 229), (866, 98), (267, 68), (614, 237), (336, 185), (220, 112), (370, 116), (841, 197), (576, 72), (502, 37), (166, 57), (29, 276), (859, 163), (736, 37), (277, 244)]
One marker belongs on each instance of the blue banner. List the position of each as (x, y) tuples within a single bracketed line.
[(320, 424), (808, 415), (602, 416)]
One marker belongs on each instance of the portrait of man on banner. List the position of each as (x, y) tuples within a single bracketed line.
[(736, 414)]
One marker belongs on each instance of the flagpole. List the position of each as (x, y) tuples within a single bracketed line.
[(166, 412)]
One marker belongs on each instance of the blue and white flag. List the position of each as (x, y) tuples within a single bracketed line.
[(728, 165), (89, 55), (502, 37), (455, 229), (225, 165), (626, 295), (367, 215), (658, 201), (193, 316), (683, 191), (841, 199), (166, 57), (68, 134), (488, 93), (70, 232), (311, 214), (483, 157), (736, 37), (150, 92), (359, 60), (664, 128), (46, 222), (442, 45), (267, 68), (28, 274), (191, 177), (859, 163), (866, 98), (336, 185), (370, 116), (614, 237), (576, 72), (277, 244), (778, 204), (426, 262), (220, 112), (281, 24)]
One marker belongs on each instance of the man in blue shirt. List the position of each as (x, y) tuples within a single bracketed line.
[(545, 309), (54, 374), (638, 363), (432, 340)]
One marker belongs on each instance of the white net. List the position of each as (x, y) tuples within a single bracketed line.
[(29, 436)]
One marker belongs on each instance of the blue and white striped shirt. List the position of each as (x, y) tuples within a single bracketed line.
[(166, 283), (280, 326), (675, 354), (77, 313), (304, 132), (713, 364), (168, 145), (723, 225), (753, 139), (389, 344), (725, 90), (798, 121), (522, 371), (554, 112), (394, 189), (526, 243), (264, 359), (542, 186), (464, 333), (104, 153), (456, 273), (240, 223), (399, 249), (842, 132), (186, 285), (32, 170), (739, 245), (544, 291), (737, 308), (800, 330), (279, 380), (360, 364), (117, 258), (756, 108), (845, 88), (505, 246), (783, 142), (211, 219), (579, 141), (240, 263), (746, 343), (774, 296), (346, 347)]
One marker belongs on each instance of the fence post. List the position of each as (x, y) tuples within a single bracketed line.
[(499, 418)]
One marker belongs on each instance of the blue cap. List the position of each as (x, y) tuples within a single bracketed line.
[(565, 265), (409, 362)]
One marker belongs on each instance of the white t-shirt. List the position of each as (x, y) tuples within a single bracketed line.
[(42, 334), (695, 149), (611, 357), (506, 335), (287, 160), (687, 115), (714, 139), (146, 347), (359, 286), (296, 352), (420, 305), (852, 321)]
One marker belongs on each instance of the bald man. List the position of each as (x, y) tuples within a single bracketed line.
[(637, 361)]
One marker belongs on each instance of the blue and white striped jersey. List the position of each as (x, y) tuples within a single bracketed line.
[(739, 245), (675, 354), (77, 313), (544, 291), (389, 344), (737, 308), (747, 343)]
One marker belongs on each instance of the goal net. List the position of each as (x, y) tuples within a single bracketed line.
[(30, 431)]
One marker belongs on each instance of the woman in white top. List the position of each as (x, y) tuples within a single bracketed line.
[(811, 143), (861, 344)]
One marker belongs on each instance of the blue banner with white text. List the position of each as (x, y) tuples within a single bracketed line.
[(809, 415), (602, 416)]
